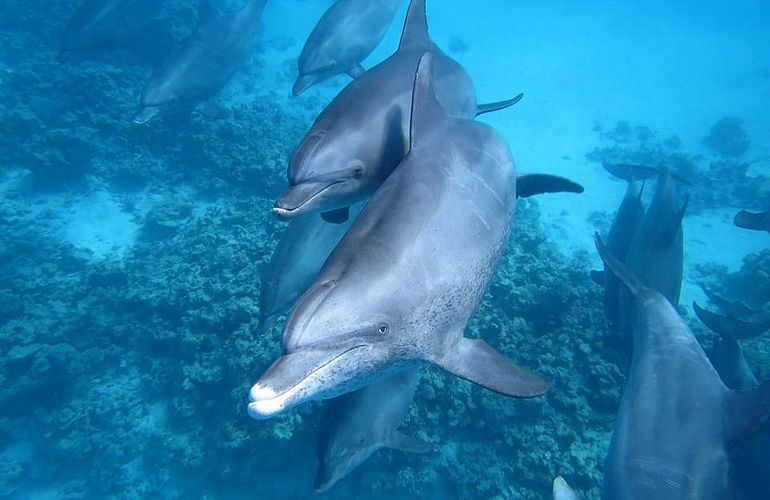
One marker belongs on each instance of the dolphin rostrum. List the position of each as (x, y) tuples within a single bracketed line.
[(562, 490), (363, 133), (302, 250), (346, 34), (677, 421), (358, 424), (403, 282), (197, 69)]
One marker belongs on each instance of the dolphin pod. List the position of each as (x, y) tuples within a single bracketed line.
[(401, 285), (358, 424), (677, 420), (346, 34), (200, 66), (357, 141)]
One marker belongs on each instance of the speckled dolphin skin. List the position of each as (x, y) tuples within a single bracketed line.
[(346, 34), (198, 68), (403, 282), (357, 141)]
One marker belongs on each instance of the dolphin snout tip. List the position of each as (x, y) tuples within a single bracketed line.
[(281, 212), (264, 409), (259, 393)]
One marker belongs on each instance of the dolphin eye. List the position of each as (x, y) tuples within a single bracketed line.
[(383, 329), (358, 172)]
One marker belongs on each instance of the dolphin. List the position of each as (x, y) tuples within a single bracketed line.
[(363, 133), (634, 172), (114, 24), (757, 221), (624, 227), (198, 68), (302, 250), (731, 308), (562, 490), (736, 327), (677, 420), (656, 253), (400, 287), (346, 34), (358, 424)]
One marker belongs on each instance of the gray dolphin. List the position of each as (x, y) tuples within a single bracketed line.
[(108, 24), (346, 34), (562, 490), (403, 282), (757, 221), (198, 68), (624, 226), (363, 133), (656, 253), (358, 424), (302, 250), (677, 420)]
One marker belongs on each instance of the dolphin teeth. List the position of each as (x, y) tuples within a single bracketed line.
[(260, 393)]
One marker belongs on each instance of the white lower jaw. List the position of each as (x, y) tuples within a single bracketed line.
[(266, 408)]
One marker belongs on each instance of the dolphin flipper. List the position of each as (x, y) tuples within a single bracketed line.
[(756, 221), (475, 361), (532, 184), (400, 441), (338, 216), (497, 106)]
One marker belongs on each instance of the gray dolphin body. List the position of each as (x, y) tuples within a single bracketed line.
[(358, 424), (99, 23), (656, 253), (757, 221), (346, 34), (198, 68), (403, 282), (677, 420), (295, 263), (357, 141)]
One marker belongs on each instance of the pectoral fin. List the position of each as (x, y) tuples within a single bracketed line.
[(338, 216), (402, 442), (532, 184), (475, 361)]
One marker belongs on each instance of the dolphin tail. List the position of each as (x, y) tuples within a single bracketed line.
[(746, 412), (474, 360), (756, 221), (631, 172), (532, 184), (634, 284), (400, 441), (730, 326), (497, 106)]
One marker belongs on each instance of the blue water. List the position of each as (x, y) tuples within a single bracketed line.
[(131, 256)]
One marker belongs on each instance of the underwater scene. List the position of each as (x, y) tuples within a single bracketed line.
[(441, 249)]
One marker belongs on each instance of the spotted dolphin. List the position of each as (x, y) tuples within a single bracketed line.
[(199, 67), (300, 254), (346, 34), (400, 287), (358, 424), (113, 24), (677, 420), (357, 141), (757, 221)]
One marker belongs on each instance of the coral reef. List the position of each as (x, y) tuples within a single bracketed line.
[(728, 137)]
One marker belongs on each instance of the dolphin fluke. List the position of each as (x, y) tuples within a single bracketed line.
[(756, 221), (532, 184), (476, 361), (726, 325), (562, 490), (632, 172), (497, 106)]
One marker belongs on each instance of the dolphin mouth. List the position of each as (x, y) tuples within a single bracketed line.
[(303, 83), (146, 114), (297, 197), (266, 401)]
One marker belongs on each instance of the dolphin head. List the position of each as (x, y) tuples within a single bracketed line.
[(332, 347), (340, 459), (338, 164), (158, 95)]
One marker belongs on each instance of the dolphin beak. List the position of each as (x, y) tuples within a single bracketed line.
[(145, 114), (296, 200), (303, 83), (299, 377)]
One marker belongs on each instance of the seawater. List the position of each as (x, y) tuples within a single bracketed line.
[(132, 256)]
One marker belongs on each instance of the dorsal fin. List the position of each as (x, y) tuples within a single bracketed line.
[(425, 107), (415, 32), (634, 284)]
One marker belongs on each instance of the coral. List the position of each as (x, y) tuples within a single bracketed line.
[(728, 137)]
